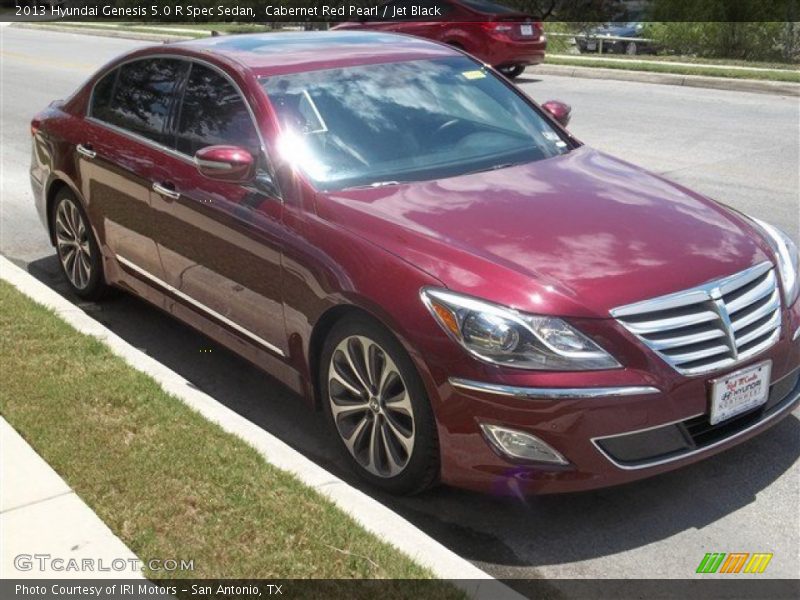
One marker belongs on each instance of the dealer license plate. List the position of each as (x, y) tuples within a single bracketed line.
[(526, 29), (740, 391)]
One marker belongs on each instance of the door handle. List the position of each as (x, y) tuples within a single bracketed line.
[(166, 190), (86, 150)]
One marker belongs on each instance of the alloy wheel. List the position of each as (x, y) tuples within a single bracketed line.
[(371, 406), (72, 243)]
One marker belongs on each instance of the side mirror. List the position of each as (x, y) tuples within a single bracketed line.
[(225, 163), (560, 111)]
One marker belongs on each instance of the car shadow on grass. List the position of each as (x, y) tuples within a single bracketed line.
[(502, 535)]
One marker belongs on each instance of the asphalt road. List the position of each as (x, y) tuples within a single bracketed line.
[(739, 148)]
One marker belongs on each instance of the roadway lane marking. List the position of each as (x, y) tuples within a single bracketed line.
[(46, 61)]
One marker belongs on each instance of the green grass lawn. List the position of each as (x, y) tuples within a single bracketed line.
[(165, 480), (722, 62), (632, 65)]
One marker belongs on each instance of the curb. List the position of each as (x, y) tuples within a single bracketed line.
[(369, 513), (698, 81), (589, 59), (128, 35)]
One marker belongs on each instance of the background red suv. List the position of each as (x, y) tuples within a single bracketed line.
[(500, 36)]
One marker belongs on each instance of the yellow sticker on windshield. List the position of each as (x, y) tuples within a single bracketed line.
[(474, 74)]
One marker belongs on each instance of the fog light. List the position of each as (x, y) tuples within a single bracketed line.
[(517, 444)]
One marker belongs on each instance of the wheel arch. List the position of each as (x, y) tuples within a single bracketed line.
[(319, 334), (364, 306)]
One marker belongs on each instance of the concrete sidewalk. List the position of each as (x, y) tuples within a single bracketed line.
[(45, 526)]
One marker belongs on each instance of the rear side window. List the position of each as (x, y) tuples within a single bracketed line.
[(213, 113), (142, 96), (101, 97)]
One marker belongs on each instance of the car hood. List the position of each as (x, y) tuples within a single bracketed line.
[(575, 235)]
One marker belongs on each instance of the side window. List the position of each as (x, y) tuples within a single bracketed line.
[(213, 113), (143, 96), (101, 97)]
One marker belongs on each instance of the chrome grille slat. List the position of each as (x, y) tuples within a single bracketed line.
[(739, 280), (760, 331), (750, 352), (711, 326), (762, 289), (773, 305), (699, 354), (685, 340), (679, 300), (672, 322), (705, 367)]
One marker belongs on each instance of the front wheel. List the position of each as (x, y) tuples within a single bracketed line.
[(512, 71), (377, 406), (77, 249)]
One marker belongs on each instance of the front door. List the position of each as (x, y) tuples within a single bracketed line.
[(220, 242)]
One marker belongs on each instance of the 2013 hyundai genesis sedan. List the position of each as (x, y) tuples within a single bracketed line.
[(397, 233)]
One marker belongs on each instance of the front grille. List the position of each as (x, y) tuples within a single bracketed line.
[(712, 326)]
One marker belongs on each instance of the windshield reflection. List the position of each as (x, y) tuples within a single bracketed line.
[(406, 121)]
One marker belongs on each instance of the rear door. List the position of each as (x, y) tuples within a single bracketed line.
[(120, 155), (220, 242)]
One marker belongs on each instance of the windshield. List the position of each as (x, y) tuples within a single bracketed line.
[(406, 121)]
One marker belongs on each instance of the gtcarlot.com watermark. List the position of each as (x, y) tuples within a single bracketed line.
[(48, 562)]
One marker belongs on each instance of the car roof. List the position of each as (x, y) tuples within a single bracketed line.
[(290, 52)]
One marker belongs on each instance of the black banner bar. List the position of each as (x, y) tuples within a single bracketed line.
[(731, 587), (334, 11)]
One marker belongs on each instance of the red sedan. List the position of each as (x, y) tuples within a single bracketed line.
[(495, 34), (414, 246)]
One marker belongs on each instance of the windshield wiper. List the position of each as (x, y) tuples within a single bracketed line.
[(498, 167), (377, 184)]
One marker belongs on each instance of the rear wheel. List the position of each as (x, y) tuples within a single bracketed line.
[(77, 249), (512, 71), (378, 408)]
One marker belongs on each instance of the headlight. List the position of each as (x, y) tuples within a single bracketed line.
[(507, 337), (788, 261)]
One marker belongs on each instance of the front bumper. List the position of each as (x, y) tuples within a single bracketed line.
[(644, 422)]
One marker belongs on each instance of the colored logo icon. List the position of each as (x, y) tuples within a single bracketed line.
[(734, 562)]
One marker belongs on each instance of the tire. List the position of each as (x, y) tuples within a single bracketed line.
[(405, 459), (78, 253), (631, 49), (513, 71)]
